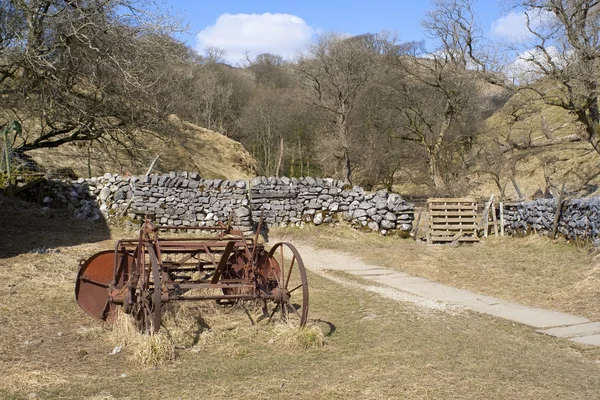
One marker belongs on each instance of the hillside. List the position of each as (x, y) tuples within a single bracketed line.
[(521, 121), (537, 163), (191, 148)]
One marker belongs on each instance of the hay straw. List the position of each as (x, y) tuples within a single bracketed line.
[(146, 349)]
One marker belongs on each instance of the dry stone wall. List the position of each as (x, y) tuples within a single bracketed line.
[(291, 201), (186, 199), (580, 218)]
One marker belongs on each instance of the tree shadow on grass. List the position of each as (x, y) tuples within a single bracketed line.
[(27, 227)]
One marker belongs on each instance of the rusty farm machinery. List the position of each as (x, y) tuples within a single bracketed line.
[(142, 275)]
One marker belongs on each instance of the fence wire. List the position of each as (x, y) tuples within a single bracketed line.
[(18, 163)]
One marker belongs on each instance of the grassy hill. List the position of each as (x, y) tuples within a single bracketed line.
[(573, 163), (190, 148)]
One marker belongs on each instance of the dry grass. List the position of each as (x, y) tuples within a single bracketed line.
[(306, 337), (144, 349), (227, 330), (232, 330), (572, 163), (375, 348), (532, 270), (191, 148)]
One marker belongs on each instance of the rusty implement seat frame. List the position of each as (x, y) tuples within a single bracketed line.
[(143, 274)]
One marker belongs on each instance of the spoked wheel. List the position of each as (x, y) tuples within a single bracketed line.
[(285, 274), (147, 305)]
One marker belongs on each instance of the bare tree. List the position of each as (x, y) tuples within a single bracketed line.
[(78, 70), (214, 54), (277, 130), (378, 151), (263, 121), (436, 102), (436, 92), (563, 57), (335, 71), (212, 100), (452, 24), (270, 70)]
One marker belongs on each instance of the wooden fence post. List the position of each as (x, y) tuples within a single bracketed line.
[(501, 218), (152, 165), (417, 225), (128, 204), (558, 212), (495, 220), (484, 218)]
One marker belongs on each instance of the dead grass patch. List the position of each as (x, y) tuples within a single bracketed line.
[(226, 330), (89, 332), (376, 348), (145, 349), (305, 337), (19, 379)]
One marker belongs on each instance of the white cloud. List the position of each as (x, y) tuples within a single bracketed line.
[(513, 26), (526, 68), (282, 34)]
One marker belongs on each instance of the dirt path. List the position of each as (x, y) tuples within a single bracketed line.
[(342, 268), (327, 262)]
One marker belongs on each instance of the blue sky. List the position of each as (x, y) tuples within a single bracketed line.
[(285, 27)]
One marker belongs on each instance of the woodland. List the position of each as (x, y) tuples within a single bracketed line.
[(369, 109)]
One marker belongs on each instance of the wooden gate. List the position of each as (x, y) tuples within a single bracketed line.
[(452, 220)]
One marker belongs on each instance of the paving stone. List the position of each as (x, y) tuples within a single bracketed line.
[(373, 272), (439, 292), (376, 274), (593, 340), (561, 323), (589, 329), (402, 282), (535, 317)]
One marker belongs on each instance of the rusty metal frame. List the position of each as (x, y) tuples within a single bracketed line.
[(237, 265)]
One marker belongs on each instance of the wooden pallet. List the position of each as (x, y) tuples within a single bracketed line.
[(452, 220)]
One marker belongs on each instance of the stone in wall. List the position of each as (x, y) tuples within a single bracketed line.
[(290, 201), (186, 199), (580, 218)]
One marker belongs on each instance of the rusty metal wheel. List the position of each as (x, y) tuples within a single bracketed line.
[(96, 277), (148, 303), (285, 273)]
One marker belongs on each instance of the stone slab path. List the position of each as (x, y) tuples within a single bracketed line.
[(422, 292)]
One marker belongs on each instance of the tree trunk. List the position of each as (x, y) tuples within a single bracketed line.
[(280, 158), (434, 166), (347, 168), (434, 170), (590, 128), (292, 166), (89, 160), (301, 155), (517, 189), (343, 132)]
